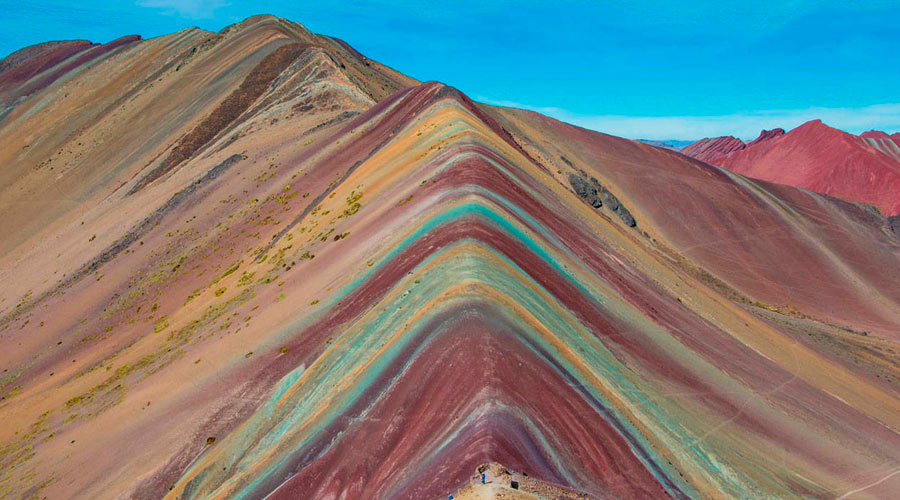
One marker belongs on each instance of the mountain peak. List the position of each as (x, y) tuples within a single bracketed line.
[(818, 126), (874, 134), (766, 135), (268, 21)]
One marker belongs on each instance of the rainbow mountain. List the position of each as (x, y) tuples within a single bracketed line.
[(257, 264)]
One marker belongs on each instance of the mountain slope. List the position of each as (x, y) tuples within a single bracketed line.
[(817, 157), (348, 284)]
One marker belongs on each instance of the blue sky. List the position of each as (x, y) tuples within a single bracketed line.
[(652, 69)]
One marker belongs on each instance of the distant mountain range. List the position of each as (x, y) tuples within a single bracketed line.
[(673, 144), (814, 156)]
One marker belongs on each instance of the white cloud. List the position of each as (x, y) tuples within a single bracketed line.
[(746, 125), (194, 9)]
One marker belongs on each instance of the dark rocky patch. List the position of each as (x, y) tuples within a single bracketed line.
[(626, 216), (582, 187), (595, 195)]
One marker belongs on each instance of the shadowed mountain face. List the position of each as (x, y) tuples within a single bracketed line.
[(256, 264), (814, 156)]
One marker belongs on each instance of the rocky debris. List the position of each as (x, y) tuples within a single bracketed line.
[(595, 195)]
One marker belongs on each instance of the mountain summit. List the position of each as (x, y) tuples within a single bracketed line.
[(257, 264)]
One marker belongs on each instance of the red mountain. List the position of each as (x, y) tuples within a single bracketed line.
[(816, 157), (711, 150)]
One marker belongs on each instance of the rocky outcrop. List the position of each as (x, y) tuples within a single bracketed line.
[(612, 203), (596, 195), (584, 189)]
